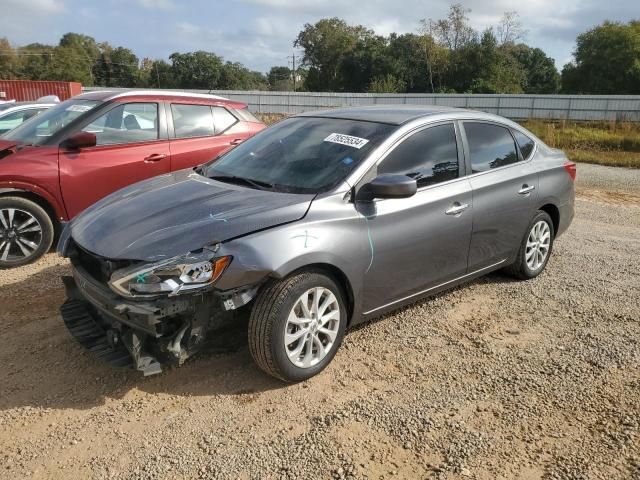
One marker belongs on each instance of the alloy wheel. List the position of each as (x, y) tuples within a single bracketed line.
[(538, 244), (20, 234), (312, 327)]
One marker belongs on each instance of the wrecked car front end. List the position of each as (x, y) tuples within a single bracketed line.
[(133, 314), (135, 298)]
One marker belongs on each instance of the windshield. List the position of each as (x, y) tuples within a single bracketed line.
[(36, 130), (301, 154)]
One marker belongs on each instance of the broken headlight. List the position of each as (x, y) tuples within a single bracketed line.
[(172, 277)]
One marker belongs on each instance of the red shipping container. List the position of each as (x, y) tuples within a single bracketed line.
[(31, 90)]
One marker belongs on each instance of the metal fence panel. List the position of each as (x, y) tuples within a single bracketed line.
[(516, 107)]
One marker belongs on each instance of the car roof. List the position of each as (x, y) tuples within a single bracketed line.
[(397, 114), (115, 95), (16, 107)]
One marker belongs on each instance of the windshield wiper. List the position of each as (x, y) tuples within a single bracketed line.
[(241, 180)]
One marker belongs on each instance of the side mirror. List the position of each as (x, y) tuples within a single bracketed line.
[(388, 186), (79, 140)]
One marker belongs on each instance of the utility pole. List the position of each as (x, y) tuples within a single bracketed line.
[(293, 60)]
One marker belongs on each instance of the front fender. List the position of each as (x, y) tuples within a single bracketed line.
[(30, 189)]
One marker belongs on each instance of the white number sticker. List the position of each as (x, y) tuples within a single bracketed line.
[(78, 108), (355, 142)]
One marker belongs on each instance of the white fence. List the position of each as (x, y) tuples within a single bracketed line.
[(517, 107)]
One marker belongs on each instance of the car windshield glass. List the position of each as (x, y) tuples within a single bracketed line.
[(301, 154), (36, 130)]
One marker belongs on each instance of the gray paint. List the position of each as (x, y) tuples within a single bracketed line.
[(390, 251)]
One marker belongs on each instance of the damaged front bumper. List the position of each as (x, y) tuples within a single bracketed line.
[(144, 335)]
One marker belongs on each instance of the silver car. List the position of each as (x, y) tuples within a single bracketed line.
[(13, 114), (320, 222)]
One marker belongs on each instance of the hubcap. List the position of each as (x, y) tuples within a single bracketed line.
[(538, 244), (312, 327), (20, 234)]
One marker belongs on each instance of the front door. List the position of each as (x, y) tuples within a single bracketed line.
[(419, 242), (128, 149)]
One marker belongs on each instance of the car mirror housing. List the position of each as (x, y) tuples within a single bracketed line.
[(388, 186), (80, 140)]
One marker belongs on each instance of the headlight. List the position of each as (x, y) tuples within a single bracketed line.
[(173, 277)]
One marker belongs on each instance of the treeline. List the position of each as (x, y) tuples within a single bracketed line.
[(444, 56), (81, 59)]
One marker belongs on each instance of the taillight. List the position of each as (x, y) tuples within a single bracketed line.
[(570, 167)]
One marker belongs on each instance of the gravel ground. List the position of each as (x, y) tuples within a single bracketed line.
[(495, 379)]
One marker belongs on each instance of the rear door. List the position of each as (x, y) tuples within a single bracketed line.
[(419, 242), (200, 133), (131, 145), (504, 192)]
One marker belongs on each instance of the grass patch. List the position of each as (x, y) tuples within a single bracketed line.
[(604, 143)]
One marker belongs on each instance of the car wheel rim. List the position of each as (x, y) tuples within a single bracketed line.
[(20, 234), (538, 244), (312, 327)]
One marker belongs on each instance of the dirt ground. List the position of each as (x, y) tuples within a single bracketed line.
[(495, 379)]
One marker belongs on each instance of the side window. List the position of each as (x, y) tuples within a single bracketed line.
[(12, 120), (490, 146), (222, 119), (430, 156), (192, 120), (525, 143), (126, 123)]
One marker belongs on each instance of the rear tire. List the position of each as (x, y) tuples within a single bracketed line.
[(297, 325), (535, 249), (26, 232)]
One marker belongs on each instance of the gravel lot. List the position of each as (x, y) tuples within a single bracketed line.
[(496, 379)]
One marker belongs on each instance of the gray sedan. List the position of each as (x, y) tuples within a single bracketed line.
[(322, 221)]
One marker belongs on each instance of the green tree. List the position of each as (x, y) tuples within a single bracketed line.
[(280, 79), (116, 67), (499, 71), (35, 60), (235, 76), (9, 62), (387, 84), (198, 70), (607, 60), (541, 73), (326, 44)]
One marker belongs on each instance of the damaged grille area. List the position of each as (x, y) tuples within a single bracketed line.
[(98, 267)]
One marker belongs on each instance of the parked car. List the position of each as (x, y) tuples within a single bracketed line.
[(317, 223), (59, 163), (13, 114)]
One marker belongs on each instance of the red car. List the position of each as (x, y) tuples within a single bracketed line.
[(54, 166)]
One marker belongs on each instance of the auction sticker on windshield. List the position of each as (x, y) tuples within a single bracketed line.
[(355, 142), (79, 108)]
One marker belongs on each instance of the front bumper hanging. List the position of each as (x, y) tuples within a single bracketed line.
[(140, 335)]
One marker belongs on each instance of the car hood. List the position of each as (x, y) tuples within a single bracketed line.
[(7, 147), (177, 213)]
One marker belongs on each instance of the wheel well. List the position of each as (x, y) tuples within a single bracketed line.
[(338, 276), (37, 199), (554, 213)]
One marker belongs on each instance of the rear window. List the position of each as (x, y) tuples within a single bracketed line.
[(525, 143), (246, 115), (222, 119)]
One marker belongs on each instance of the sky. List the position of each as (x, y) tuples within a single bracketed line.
[(260, 33)]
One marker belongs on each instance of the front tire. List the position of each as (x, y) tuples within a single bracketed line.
[(297, 325), (535, 249), (26, 232)]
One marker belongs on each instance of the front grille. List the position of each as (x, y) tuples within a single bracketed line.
[(98, 267)]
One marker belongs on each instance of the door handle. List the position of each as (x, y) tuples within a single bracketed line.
[(526, 189), (155, 157), (236, 141), (457, 208)]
